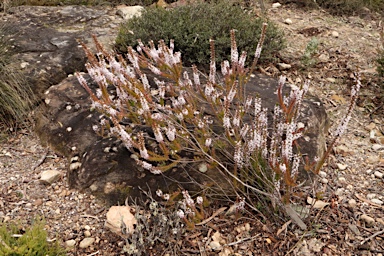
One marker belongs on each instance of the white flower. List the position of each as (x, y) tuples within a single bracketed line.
[(199, 200), (208, 142), (159, 193), (181, 214)]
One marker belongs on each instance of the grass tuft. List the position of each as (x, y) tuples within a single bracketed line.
[(33, 241), (16, 96)]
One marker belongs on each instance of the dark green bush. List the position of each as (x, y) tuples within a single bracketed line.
[(193, 25), (32, 241)]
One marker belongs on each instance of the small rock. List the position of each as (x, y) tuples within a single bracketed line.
[(377, 147), (128, 12), (70, 243), (50, 176), (354, 229), (331, 80), (86, 242), (342, 167), (215, 245), (203, 167), (340, 192), (284, 66), (371, 196), (352, 203), (288, 21), (335, 34), (350, 187), (322, 174), (87, 233), (377, 201), (24, 65), (372, 159), (371, 126), (378, 174), (324, 181), (343, 150), (367, 219), (118, 214), (38, 202), (276, 5), (342, 179)]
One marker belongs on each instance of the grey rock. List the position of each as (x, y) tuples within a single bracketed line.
[(86, 242), (44, 39), (50, 176)]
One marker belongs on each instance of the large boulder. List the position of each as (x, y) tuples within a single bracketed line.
[(104, 167), (44, 39)]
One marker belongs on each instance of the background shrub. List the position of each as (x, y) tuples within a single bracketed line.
[(83, 2), (341, 7), (192, 26)]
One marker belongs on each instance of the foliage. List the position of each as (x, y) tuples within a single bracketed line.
[(210, 120), (341, 7), (192, 26), (159, 228), (16, 97), (31, 242), (308, 59)]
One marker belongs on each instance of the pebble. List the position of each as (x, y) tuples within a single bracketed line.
[(288, 21), (86, 242), (377, 201), (70, 243), (276, 5), (371, 196), (350, 187), (284, 66), (331, 80), (372, 159), (352, 203), (322, 174), (324, 181), (50, 176), (377, 147), (367, 219), (24, 65), (87, 233), (378, 174), (215, 245), (342, 179), (342, 167), (335, 34)]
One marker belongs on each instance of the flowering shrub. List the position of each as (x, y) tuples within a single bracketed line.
[(185, 116)]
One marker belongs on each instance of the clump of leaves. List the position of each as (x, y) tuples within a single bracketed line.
[(192, 26), (308, 59), (158, 227), (16, 97), (33, 241)]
